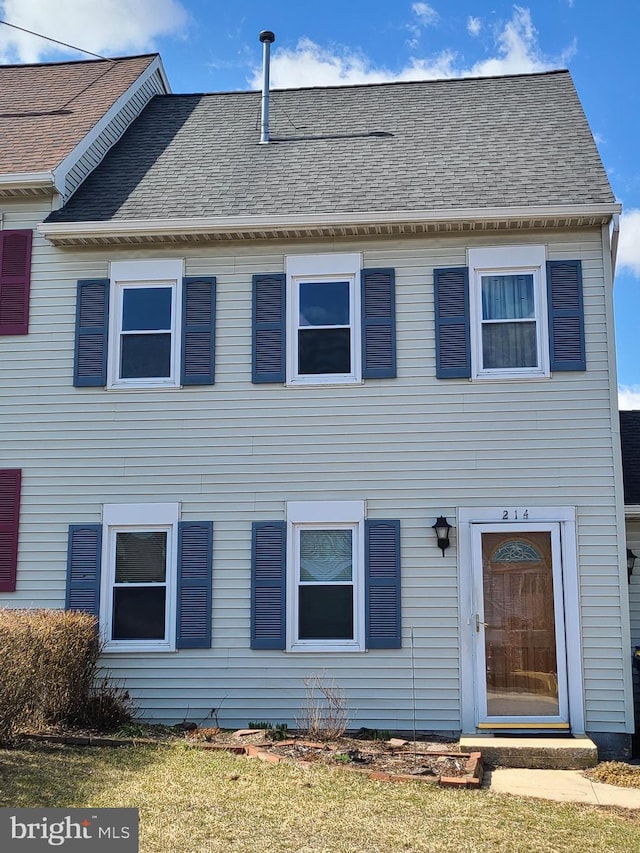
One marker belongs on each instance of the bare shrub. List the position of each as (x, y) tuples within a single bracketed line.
[(107, 707), (49, 663), (324, 715)]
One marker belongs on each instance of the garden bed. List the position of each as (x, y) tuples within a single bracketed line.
[(392, 760)]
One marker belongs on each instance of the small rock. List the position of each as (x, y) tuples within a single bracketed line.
[(240, 733), (397, 742)]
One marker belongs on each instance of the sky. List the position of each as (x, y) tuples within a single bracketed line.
[(209, 46)]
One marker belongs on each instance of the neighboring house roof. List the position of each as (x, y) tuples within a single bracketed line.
[(435, 145), (47, 109), (630, 438)]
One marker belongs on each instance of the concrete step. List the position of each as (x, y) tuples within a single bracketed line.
[(536, 753)]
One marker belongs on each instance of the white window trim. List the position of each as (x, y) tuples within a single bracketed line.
[(337, 267), (321, 514), (505, 261), (118, 518), (152, 273)]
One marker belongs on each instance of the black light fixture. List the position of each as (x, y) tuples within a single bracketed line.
[(631, 561), (442, 528)]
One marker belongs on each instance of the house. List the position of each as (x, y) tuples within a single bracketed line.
[(266, 370), (630, 440), (57, 121)]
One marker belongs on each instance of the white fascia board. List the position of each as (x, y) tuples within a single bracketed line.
[(27, 181), (212, 224), (62, 169)]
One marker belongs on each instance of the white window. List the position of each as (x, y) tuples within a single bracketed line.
[(137, 597), (509, 336), (144, 326), (325, 571), (323, 323)]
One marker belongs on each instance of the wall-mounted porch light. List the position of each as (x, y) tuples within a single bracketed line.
[(631, 561), (442, 528)]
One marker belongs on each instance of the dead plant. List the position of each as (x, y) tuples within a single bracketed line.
[(324, 715)]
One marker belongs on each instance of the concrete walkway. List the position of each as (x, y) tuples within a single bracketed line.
[(567, 786)]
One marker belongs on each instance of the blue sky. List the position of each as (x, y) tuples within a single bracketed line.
[(211, 46)]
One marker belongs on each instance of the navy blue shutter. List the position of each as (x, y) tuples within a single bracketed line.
[(378, 323), (268, 584), (84, 557), (453, 344), (269, 329), (195, 540), (198, 330), (566, 315), (382, 584), (92, 321)]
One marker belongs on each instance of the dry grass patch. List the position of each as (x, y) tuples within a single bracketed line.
[(193, 801), (615, 773)]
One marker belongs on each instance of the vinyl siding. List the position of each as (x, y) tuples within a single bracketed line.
[(112, 132), (413, 447)]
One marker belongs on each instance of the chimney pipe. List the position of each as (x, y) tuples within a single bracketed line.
[(267, 38)]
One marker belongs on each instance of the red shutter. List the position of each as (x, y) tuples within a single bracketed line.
[(15, 275), (10, 479)]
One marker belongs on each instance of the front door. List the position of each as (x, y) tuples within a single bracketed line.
[(520, 654)]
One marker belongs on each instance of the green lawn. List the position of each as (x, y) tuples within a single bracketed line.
[(191, 800)]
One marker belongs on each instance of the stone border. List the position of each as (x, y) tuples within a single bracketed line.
[(472, 777)]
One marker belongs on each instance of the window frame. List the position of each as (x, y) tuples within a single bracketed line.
[(144, 274), (335, 267), (503, 261), (135, 518), (323, 515)]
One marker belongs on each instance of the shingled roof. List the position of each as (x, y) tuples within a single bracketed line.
[(432, 145), (630, 436), (47, 109)]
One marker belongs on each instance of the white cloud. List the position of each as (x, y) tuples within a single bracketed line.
[(474, 25), (101, 26), (425, 13), (516, 51), (629, 396), (629, 245)]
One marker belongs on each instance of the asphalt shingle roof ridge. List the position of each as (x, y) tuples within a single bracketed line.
[(75, 62), (378, 85)]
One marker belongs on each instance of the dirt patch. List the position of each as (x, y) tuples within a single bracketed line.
[(393, 759)]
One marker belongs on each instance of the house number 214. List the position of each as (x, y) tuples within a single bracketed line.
[(513, 513)]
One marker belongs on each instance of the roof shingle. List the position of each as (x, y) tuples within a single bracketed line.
[(47, 109), (630, 437), (431, 145)]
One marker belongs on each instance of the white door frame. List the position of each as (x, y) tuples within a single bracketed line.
[(519, 516)]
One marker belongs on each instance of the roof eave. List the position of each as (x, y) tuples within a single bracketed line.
[(327, 224), (27, 183)]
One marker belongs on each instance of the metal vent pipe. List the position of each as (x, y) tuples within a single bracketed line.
[(267, 38)]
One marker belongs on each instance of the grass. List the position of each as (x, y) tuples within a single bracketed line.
[(192, 801), (616, 773)]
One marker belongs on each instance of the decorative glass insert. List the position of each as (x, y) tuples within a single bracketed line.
[(325, 555), (324, 327), (140, 591), (509, 334), (325, 591), (516, 551), (145, 337), (519, 625)]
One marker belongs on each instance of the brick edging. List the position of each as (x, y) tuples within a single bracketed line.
[(472, 777)]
